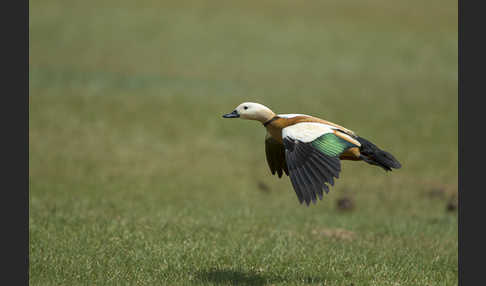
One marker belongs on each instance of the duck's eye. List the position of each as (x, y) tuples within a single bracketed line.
[(245, 107)]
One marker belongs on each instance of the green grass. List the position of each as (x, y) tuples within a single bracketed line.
[(135, 179)]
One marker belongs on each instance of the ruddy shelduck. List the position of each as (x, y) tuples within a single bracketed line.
[(309, 149)]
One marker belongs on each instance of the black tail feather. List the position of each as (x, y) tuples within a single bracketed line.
[(373, 155)]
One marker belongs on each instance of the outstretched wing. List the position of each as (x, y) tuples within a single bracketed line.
[(275, 153), (312, 153)]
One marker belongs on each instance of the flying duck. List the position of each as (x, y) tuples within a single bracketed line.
[(309, 149)]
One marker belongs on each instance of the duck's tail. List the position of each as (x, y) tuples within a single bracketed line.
[(373, 155)]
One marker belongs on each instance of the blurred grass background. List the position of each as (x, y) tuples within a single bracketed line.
[(135, 179)]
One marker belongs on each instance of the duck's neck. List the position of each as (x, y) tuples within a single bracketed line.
[(265, 115), (270, 120)]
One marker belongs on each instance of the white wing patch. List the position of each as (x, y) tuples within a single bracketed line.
[(306, 131)]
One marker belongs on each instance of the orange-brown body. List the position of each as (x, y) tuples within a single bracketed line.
[(275, 127)]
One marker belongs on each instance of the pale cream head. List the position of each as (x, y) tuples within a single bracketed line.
[(251, 111)]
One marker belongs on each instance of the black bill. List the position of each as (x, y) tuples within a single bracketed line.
[(233, 114)]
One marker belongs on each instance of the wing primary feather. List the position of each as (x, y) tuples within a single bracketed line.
[(325, 175), (307, 194), (327, 162), (274, 160), (299, 152), (330, 177), (275, 153), (269, 155), (322, 169), (278, 160), (332, 163), (326, 158), (298, 180), (284, 161), (311, 184), (311, 190), (300, 196), (302, 152), (317, 180), (297, 176), (326, 188), (293, 179), (313, 180)]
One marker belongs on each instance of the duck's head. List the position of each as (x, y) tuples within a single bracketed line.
[(251, 111)]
